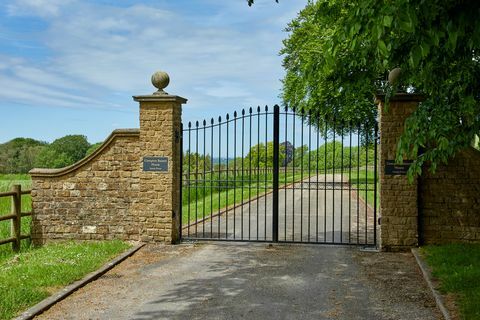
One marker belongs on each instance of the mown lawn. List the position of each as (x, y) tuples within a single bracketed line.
[(457, 266)]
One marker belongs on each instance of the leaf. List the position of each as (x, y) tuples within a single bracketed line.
[(452, 39), (443, 143), (406, 24), (382, 47), (415, 57), (425, 49), (387, 21)]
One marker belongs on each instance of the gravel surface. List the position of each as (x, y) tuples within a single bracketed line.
[(254, 281)]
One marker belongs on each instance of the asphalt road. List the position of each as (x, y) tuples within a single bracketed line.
[(254, 281), (308, 212)]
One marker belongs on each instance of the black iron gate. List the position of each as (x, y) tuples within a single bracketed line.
[(279, 176)]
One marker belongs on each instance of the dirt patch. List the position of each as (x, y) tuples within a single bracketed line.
[(397, 281)]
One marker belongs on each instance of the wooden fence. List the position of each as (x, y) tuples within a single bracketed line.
[(16, 217)]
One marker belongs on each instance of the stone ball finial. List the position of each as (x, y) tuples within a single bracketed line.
[(394, 76), (160, 80)]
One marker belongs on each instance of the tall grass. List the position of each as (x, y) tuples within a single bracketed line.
[(6, 183)]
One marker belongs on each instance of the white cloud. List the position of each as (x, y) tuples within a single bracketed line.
[(108, 53), (42, 8)]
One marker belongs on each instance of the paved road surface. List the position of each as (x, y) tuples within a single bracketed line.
[(306, 214)]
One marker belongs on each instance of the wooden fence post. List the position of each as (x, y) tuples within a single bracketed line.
[(17, 221)]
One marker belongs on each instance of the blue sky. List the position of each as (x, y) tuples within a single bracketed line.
[(72, 66)]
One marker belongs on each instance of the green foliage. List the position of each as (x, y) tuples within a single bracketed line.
[(195, 162), (33, 275), (261, 156), (63, 152), (92, 148), (457, 268), (18, 155), (339, 52), (329, 156)]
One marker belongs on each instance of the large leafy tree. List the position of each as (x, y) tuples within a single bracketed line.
[(339, 52), (18, 155), (63, 152)]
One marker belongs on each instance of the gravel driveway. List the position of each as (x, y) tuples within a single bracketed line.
[(254, 281)]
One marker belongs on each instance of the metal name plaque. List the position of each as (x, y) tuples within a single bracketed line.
[(392, 168), (159, 164)]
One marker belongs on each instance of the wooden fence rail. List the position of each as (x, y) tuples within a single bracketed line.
[(16, 217)]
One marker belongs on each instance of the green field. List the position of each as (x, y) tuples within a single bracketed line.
[(6, 183)]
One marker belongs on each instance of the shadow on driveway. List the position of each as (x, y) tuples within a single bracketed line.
[(254, 281)]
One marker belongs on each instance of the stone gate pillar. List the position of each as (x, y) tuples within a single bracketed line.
[(158, 207), (398, 197)]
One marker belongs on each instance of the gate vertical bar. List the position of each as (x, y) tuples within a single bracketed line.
[(181, 181), (204, 176), (375, 185), (258, 165), (286, 179), (266, 172), (228, 186), (276, 158), (196, 179), (366, 186), (188, 173), (219, 174)]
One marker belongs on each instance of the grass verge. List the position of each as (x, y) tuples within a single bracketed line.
[(457, 266), (35, 274)]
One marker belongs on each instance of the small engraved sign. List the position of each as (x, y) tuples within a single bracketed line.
[(392, 168), (155, 164)]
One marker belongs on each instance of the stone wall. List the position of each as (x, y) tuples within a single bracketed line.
[(159, 199), (398, 197), (450, 200), (111, 194), (92, 199)]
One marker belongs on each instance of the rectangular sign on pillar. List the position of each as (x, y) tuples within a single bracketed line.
[(392, 168), (158, 164)]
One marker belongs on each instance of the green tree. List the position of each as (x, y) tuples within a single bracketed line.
[(18, 155), (339, 52), (63, 152), (195, 162), (261, 157), (93, 148)]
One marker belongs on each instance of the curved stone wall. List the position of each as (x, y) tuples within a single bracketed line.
[(92, 199)]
